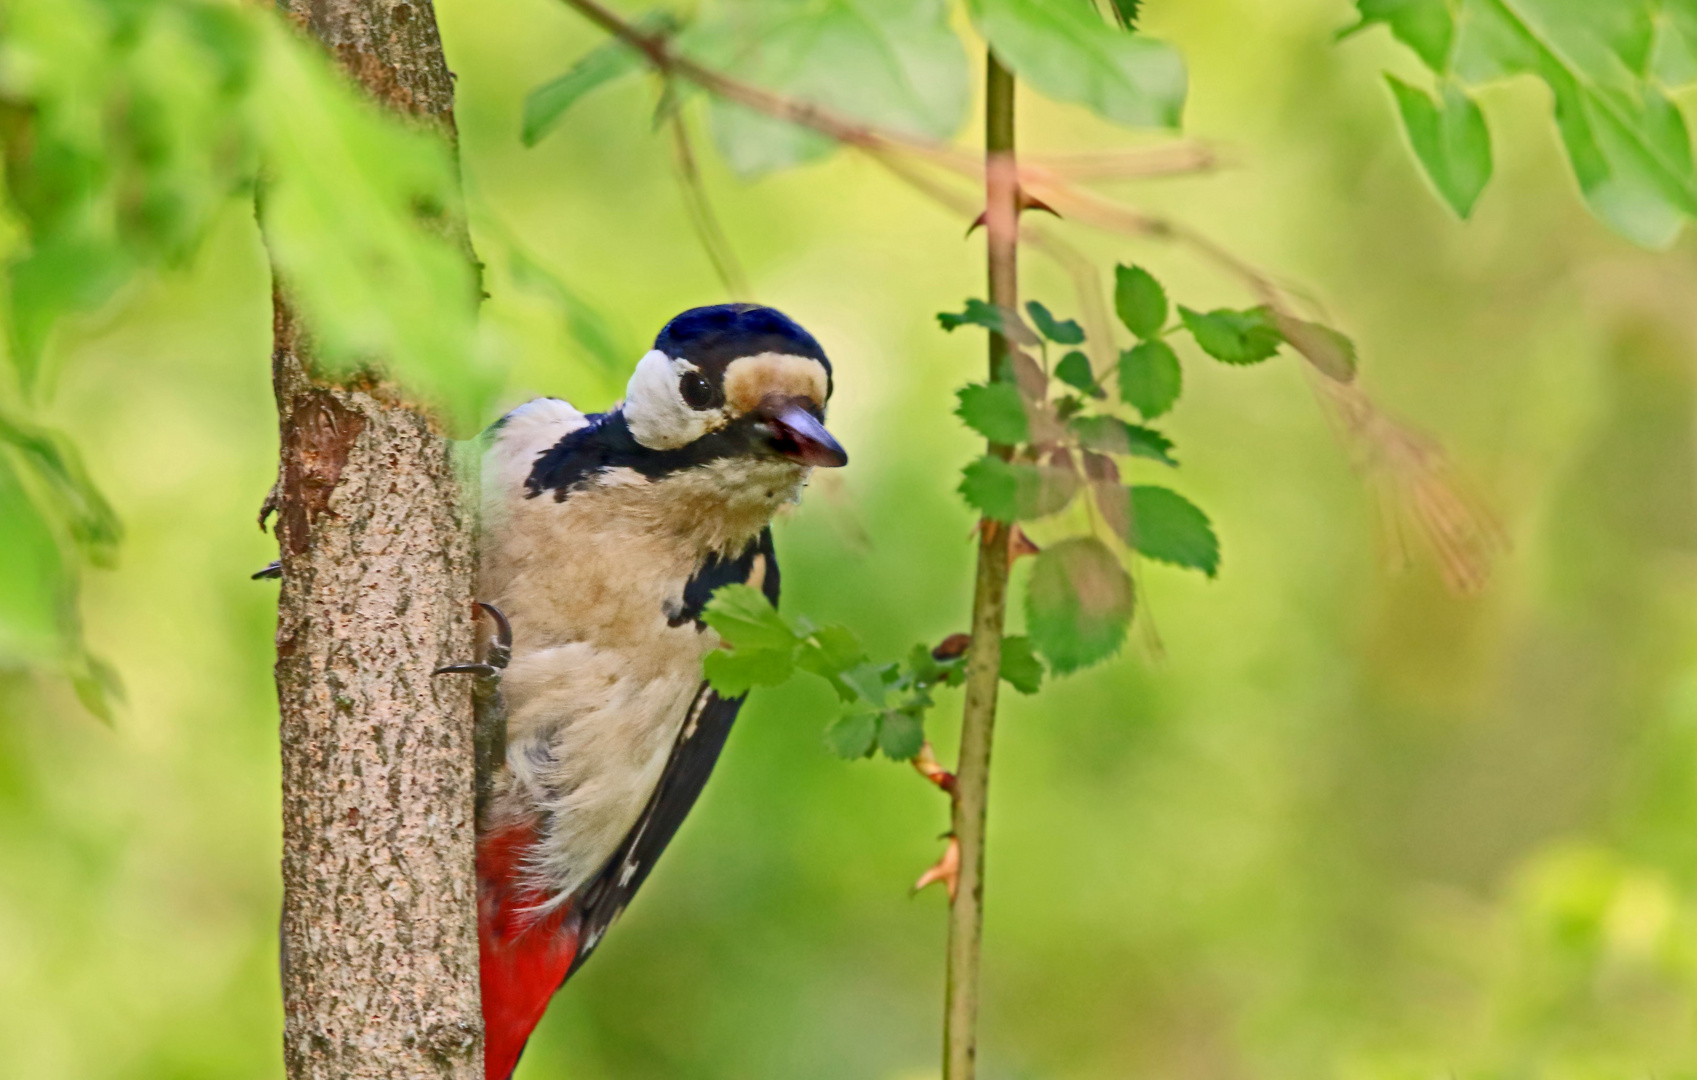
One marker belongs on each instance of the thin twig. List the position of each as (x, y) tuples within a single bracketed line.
[(989, 614), (702, 217)]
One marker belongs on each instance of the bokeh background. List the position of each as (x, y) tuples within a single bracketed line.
[(1342, 823)]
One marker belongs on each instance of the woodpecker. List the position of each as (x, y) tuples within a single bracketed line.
[(603, 538)]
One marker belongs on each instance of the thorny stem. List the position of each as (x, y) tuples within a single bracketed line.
[(989, 613)]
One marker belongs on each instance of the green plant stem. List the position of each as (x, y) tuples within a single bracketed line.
[(989, 614)]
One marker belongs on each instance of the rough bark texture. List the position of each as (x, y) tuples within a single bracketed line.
[(379, 897)]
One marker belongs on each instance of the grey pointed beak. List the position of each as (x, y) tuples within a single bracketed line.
[(795, 433)]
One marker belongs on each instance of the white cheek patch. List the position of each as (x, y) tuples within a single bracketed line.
[(750, 379), (655, 408)]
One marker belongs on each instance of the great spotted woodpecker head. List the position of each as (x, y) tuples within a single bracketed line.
[(734, 380)]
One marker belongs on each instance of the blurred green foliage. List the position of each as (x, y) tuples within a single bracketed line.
[(1350, 825), (1611, 69)]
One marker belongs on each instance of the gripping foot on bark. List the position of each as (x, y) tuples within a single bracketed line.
[(271, 571), (500, 651), (489, 736)]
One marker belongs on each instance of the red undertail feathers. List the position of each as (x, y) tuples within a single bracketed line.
[(523, 957)]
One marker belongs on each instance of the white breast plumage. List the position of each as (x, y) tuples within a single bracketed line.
[(603, 674)]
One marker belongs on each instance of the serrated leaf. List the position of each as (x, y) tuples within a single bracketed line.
[(733, 673), (545, 106), (923, 667), (852, 735), (1151, 378), (994, 410), (1020, 667), (1450, 140), (901, 733), (1139, 301), (745, 619), (1125, 12), (1061, 332), (1016, 491), (990, 317), (830, 650), (1111, 435), (870, 681), (1064, 51), (1234, 337), (1078, 604), (1171, 529), (1074, 370), (1113, 501)]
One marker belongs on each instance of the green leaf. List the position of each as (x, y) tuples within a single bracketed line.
[(994, 410), (990, 317), (852, 735), (733, 673), (745, 619), (1074, 370), (1020, 667), (1111, 435), (922, 666), (1125, 12), (1607, 66), (1234, 337), (1451, 141), (36, 583), (1171, 529), (1057, 331), (1078, 604), (1016, 491), (1150, 378), (830, 651), (356, 213), (869, 682), (1140, 301), (1426, 26), (1064, 51), (901, 733), (894, 63), (68, 494), (545, 106), (97, 686)]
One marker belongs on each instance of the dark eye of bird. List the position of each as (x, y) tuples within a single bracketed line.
[(697, 394)]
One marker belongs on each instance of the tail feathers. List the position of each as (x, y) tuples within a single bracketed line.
[(524, 959)]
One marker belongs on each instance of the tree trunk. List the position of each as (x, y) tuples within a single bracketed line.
[(379, 895)]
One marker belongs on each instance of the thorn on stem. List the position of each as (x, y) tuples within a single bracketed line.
[(946, 870), (1026, 201), (1020, 544)]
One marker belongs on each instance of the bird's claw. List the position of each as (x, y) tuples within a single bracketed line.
[(945, 870), (500, 650)]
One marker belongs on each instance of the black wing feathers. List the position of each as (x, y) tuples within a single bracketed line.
[(692, 761)]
